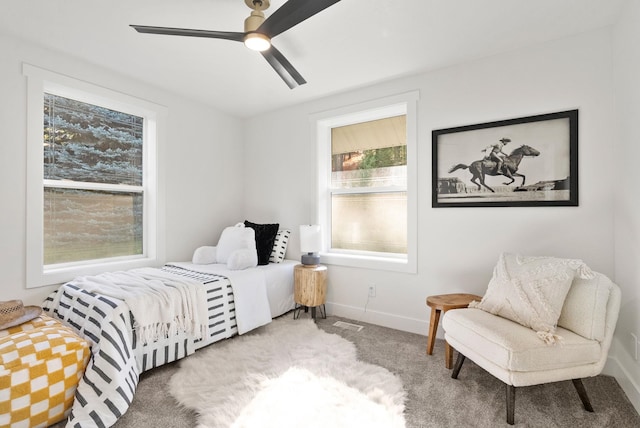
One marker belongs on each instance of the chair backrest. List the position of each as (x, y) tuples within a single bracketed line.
[(591, 310), (613, 310)]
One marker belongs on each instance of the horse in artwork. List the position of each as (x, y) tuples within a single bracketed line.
[(481, 168)]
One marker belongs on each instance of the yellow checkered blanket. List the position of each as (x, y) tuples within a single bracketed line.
[(41, 363)]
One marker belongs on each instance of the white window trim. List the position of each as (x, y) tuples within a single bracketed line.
[(40, 81), (322, 123)]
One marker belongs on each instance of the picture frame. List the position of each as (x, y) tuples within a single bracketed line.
[(539, 163)]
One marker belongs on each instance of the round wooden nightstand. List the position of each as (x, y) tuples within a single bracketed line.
[(443, 303), (310, 289)]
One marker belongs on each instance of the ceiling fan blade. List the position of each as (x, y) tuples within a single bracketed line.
[(227, 35), (291, 14), (283, 67)]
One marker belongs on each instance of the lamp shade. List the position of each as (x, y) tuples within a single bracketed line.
[(310, 243), (310, 238)]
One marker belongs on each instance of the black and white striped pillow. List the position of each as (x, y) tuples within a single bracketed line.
[(280, 246)]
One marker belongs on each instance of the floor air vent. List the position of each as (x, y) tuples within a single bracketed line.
[(348, 326)]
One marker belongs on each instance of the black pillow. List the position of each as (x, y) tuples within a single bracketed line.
[(265, 237)]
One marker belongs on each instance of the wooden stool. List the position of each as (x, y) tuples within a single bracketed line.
[(442, 303), (310, 289)]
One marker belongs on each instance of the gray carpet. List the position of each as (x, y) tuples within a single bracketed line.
[(475, 399)]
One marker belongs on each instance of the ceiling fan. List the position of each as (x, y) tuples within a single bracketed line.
[(259, 31)]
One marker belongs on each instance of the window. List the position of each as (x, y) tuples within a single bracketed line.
[(92, 187), (367, 203)]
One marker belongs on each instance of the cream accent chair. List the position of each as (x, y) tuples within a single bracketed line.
[(518, 357)]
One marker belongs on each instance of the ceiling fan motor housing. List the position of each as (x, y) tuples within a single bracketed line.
[(253, 21)]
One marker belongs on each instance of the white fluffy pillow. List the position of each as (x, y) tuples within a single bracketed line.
[(204, 256), (235, 238), (242, 259), (531, 291)]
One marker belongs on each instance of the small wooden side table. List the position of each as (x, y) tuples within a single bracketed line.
[(310, 289), (442, 303)]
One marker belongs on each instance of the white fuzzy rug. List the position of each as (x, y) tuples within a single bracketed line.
[(291, 374)]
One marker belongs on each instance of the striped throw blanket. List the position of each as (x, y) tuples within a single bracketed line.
[(111, 377)]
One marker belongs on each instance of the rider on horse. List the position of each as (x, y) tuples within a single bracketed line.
[(494, 150)]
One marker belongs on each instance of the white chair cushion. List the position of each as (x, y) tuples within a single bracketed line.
[(531, 290), (584, 311), (514, 347)]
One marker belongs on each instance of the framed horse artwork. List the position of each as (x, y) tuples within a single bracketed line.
[(528, 161)]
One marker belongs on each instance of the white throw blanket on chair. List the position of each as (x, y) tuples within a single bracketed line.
[(162, 304)]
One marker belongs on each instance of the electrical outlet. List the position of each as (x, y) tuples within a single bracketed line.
[(372, 290), (634, 346)]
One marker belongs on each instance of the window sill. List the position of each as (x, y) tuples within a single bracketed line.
[(369, 262), (63, 274)]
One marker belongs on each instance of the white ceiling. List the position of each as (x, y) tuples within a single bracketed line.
[(351, 44)]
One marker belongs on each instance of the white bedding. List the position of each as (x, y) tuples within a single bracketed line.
[(278, 278), (249, 293)]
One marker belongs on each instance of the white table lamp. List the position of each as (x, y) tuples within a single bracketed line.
[(310, 243)]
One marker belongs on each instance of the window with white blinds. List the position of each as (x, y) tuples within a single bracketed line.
[(91, 179), (366, 198)]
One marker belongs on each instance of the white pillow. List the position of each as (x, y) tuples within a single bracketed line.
[(235, 238), (204, 256), (280, 246), (531, 291), (242, 259)]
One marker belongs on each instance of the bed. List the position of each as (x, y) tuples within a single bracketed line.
[(237, 301)]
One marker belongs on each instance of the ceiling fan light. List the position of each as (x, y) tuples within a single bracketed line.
[(257, 42)]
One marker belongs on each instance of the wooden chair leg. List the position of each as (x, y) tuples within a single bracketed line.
[(448, 355), (433, 328), (458, 366), (583, 394), (511, 403)]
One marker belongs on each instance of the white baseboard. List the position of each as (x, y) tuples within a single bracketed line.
[(617, 365), (384, 319), (620, 365)]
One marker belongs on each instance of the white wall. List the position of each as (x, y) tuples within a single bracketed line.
[(200, 163), (457, 248), (626, 65)]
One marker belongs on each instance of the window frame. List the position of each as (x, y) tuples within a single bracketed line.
[(41, 81), (405, 103)]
